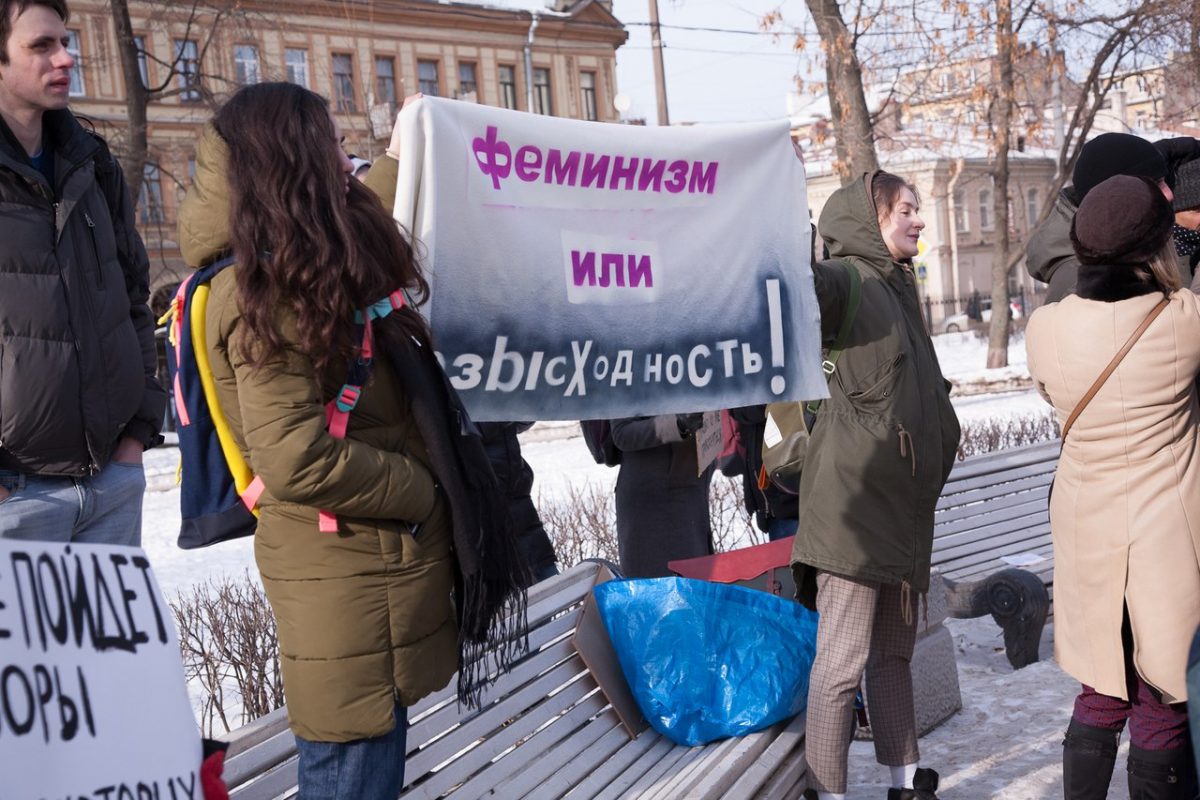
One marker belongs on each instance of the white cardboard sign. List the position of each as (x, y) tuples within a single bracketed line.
[(93, 701)]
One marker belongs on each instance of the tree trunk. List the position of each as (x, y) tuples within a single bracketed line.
[(847, 100), (137, 98), (997, 354)]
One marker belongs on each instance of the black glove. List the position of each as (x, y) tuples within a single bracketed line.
[(689, 423)]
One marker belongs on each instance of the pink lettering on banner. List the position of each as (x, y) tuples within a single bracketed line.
[(619, 269), (487, 155), (495, 158)]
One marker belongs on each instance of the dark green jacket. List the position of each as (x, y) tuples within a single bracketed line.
[(77, 362), (883, 443), (1051, 258)]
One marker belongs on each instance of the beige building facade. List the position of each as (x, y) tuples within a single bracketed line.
[(364, 56)]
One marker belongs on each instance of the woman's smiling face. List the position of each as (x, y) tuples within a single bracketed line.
[(901, 227)]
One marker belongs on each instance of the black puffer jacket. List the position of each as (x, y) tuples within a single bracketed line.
[(77, 361)]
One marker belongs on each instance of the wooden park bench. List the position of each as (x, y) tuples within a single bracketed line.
[(546, 730), (991, 542)]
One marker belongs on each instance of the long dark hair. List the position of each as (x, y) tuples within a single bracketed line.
[(305, 246)]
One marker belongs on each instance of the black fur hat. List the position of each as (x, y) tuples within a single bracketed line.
[(1187, 186), (1123, 220), (1116, 154)]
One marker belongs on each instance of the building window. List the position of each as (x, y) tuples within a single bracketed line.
[(1031, 207), (385, 80), (467, 84), (508, 86), (587, 86), (150, 199), (427, 78), (961, 223), (985, 209), (187, 66), (245, 63), (541, 91), (76, 88), (296, 62), (343, 82), (143, 64)]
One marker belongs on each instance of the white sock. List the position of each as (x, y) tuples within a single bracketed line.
[(830, 796), (902, 777)]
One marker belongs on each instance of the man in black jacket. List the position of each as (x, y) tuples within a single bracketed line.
[(79, 400)]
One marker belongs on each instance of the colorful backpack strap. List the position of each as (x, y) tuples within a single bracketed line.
[(337, 410)]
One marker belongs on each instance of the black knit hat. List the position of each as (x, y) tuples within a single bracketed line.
[(1116, 154), (1187, 186), (1123, 220)]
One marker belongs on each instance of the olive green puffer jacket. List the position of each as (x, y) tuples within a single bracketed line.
[(365, 614)]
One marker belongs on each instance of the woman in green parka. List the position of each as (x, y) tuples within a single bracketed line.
[(365, 618), (881, 449)]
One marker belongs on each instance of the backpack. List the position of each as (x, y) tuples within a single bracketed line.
[(597, 435), (219, 493), (785, 439)]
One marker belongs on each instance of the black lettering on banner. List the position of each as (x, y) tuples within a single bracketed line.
[(128, 596), (26, 699), (82, 618), (103, 639), (23, 558), (144, 566), (12, 680), (47, 574)]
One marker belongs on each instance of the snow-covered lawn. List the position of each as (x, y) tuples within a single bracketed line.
[(1006, 742)]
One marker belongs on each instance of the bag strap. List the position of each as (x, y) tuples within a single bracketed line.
[(829, 365), (1112, 365)]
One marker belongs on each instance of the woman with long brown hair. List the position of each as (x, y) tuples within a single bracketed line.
[(376, 508)]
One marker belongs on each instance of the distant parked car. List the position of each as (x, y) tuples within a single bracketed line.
[(961, 322)]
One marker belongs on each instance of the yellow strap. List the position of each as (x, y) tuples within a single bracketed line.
[(242, 476)]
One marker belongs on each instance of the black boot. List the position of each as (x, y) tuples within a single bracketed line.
[(925, 783), (1089, 755), (1162, 774)]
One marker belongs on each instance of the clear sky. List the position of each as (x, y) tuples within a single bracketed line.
[(711, 76)]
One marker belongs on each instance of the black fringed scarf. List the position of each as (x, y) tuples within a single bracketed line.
[(491, 603)]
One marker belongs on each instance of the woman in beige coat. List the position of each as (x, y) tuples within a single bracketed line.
[(1125, 508)]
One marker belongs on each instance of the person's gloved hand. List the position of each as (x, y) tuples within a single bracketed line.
[(689, 423), (211, 783)]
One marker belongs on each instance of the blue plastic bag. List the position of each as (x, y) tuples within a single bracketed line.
[(709, 660)]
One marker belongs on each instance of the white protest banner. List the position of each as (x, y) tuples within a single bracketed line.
[(93, 702), (587, 270)]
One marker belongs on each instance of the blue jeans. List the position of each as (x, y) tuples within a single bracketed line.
[(365, 769), (105, 508), (781, 528)]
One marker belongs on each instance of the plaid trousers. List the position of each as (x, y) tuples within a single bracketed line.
[(861, 628)]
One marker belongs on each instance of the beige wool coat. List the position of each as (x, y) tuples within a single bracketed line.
[(1125, 512)]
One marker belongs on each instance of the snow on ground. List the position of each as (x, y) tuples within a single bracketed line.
[(1006, 741)]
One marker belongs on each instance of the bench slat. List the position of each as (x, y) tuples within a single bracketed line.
[(448, 717), (551, 596), (618, 763), (787, 737), (555, 772), (477, 758), (585, 713), (530, 699), (279, 782)]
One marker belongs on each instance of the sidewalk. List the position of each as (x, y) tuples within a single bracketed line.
[(1006, 742)]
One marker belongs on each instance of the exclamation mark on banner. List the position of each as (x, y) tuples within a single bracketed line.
[(775, 316)]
